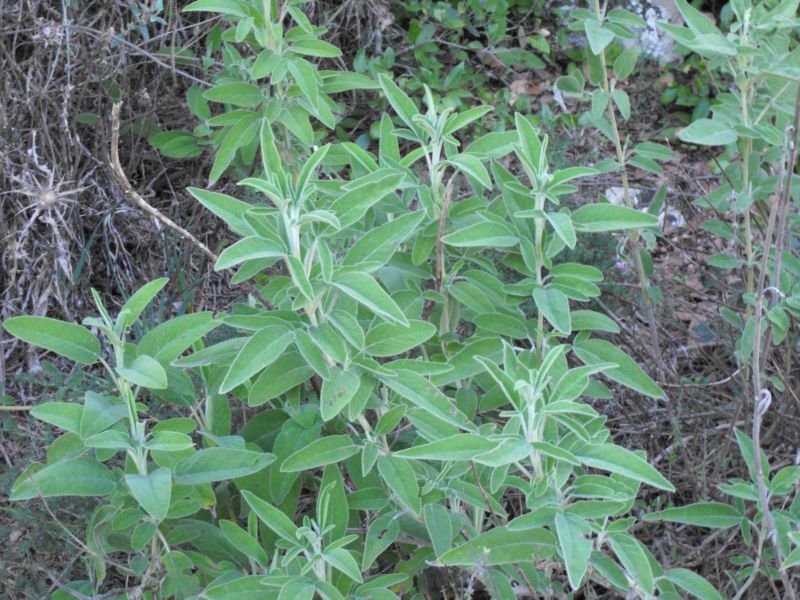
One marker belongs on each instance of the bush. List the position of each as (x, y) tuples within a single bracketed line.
[(389, 412)]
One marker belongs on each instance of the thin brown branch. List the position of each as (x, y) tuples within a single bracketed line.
[(135, 198)]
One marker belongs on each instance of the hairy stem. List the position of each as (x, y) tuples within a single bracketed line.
[(636, 245)]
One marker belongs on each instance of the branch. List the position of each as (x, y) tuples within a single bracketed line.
[(763, 397), (135, 198)]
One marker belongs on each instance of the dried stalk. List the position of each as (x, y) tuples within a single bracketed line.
[(135, 198)]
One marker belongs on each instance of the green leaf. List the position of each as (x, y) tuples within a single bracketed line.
[(530, 147), (461, 120), (308, 173), (337, 392), (471, 165), (298, 589), (496, 144), (300, 278), (176, 144), (388, 146), (401, 103), (111, 439), (508, 451), (272, 517), (628, 373), (599, 103), (501, 546), (167, 341), (623, 103), (218, 464), (66, 415), (609, 217), (439, 526), (351, 206), (696, 21), (233, 587), (169, 441), (556, 452), (67, 339), (693, 583), (633, 558), (146, 372), (74, 477), (348, 326), (239, 135), (343, 81), (610, 569), (236, 8), (389, 339), (324, 451), (626, 18), (242, 94), (380, 243), (381, 533), (401, 481), (575, 548), (792, 559), (562, 225), (342, 560), (482, 234), (569, 173), (745, 444), (462, 446), (554, 305), (511, 326), (316, 48), (589, 320), (311, 352), (248, 248), (296, 120), (243, 541), (217, 354), (723, 260), (264, 347), (599, 37), (702, 514), (134, 306), (270, 158), (654, 151), (152, 491), (278, 378), (365, 290), (706, 132), (99, 413), (616, 459), (626, 62), (425, 395), (305, 75), (227, 208)]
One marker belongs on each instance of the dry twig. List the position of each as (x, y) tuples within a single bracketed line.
[(135, 198)]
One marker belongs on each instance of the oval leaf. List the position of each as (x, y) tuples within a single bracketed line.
[(67, 339), (321, 452)]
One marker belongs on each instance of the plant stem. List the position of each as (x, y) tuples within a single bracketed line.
[(762, 396), (636, 245), (539, 257)]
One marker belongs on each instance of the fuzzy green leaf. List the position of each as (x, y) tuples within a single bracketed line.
[(67, 339)]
